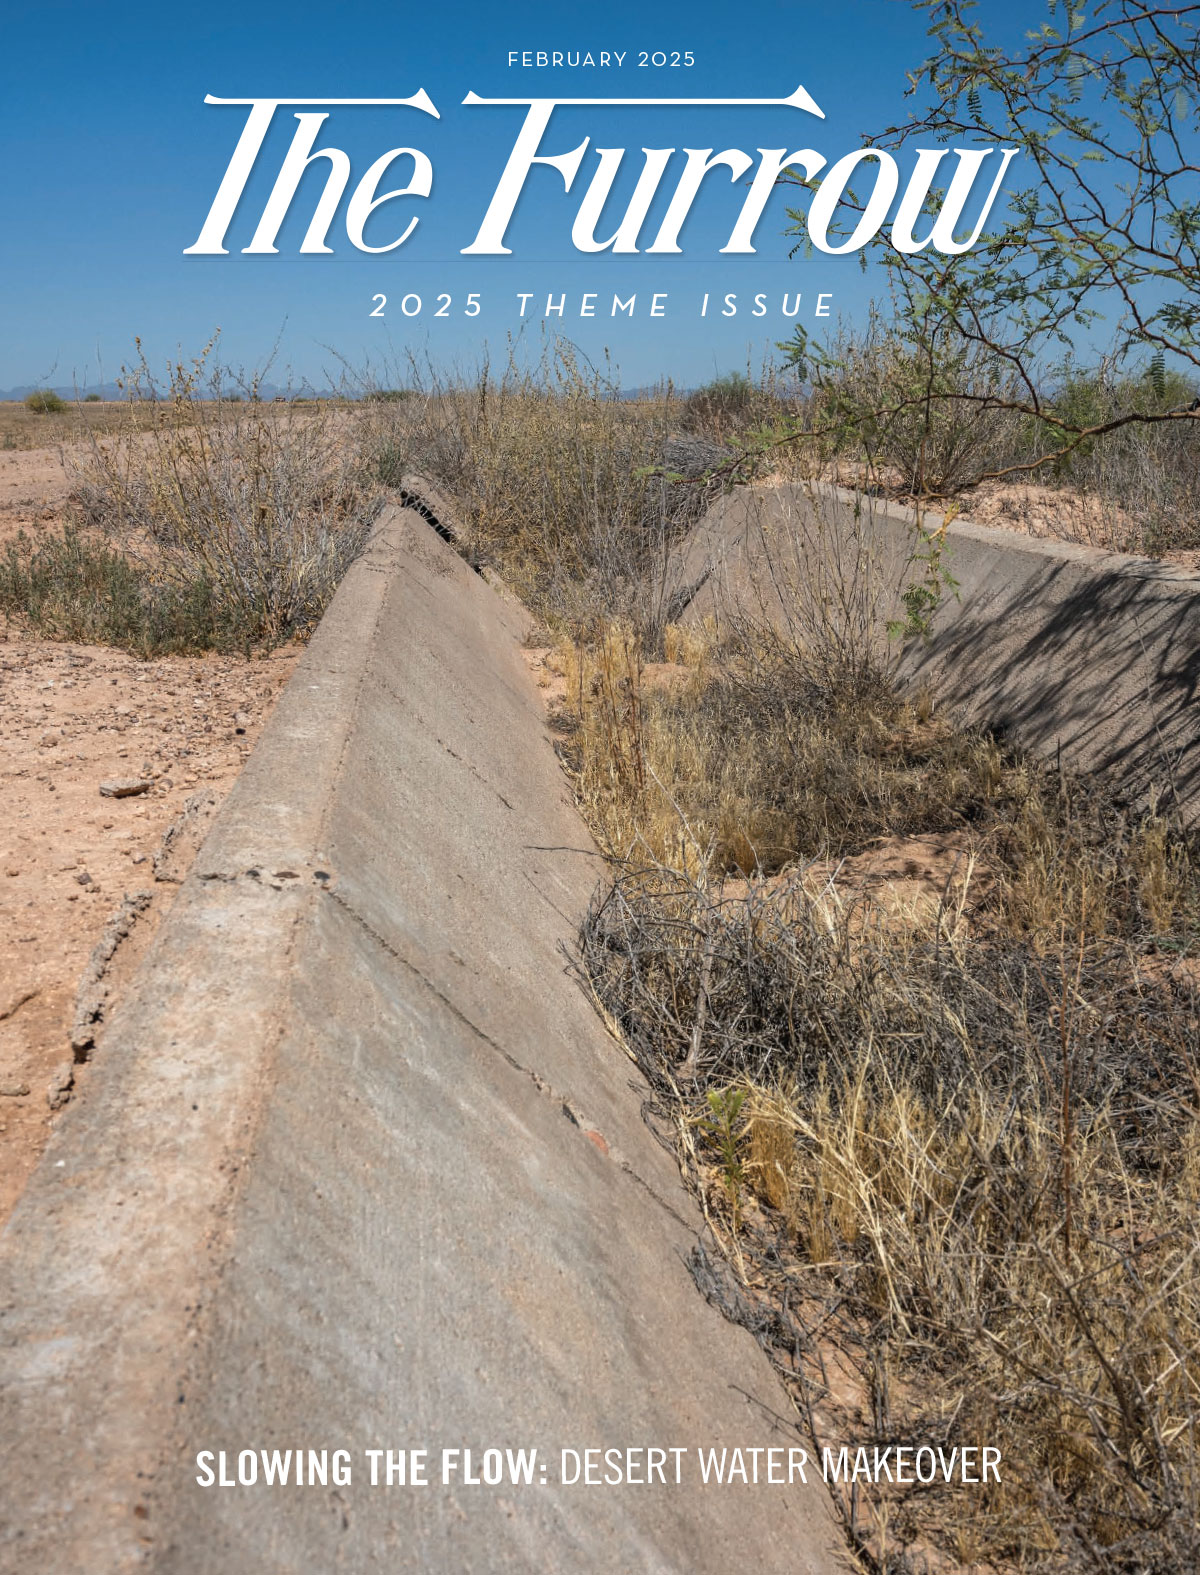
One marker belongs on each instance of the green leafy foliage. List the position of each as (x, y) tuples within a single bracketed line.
[(1102, 229), (44, 402)]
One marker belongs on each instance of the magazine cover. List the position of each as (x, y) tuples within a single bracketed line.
[(599, 772)]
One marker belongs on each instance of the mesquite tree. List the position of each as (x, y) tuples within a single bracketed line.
[(1102, 228)]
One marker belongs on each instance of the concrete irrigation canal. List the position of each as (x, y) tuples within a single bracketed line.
[(364, 1171)]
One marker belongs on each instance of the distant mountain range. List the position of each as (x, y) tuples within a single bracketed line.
[(65, 391), (267, 390), (68, 392)]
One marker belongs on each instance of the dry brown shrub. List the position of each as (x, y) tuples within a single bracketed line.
[(977, 1163), (556, 479), (208, 484)]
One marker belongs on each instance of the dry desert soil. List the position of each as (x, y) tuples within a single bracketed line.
[(84, 878)]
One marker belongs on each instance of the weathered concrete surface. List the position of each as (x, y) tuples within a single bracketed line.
[(362, 1169), (1093, 654)]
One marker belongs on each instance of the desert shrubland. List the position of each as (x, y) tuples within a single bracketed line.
[(942, 1120), (944, 1130)]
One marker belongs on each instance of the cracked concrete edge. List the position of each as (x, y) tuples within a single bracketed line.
[(417, 491), (92, 991), (93, 1318), (437, 508), (1045, 548)]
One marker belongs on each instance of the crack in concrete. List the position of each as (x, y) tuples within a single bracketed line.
[(568, 1106), (404, 702), (272, 880), (413, 500), (475, 772)]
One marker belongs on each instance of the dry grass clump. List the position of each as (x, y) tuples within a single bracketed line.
[(263, 505), (886, 396), (553, 474), (1140, 484), (749, 759), (738, 406), (76, 587)]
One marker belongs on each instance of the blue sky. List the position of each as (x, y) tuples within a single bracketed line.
[(112, 160)]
